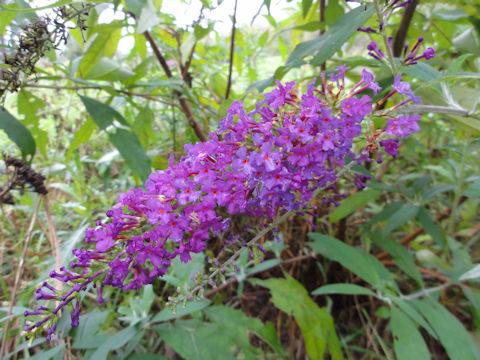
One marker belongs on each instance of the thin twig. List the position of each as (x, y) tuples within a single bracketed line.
[(232, 51), (18, 275), (185, 106)]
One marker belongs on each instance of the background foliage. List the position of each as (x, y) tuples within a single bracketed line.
[(390, 273)]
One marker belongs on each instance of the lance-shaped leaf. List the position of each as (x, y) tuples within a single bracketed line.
[(124, 140), (323, 47), (17, 132)]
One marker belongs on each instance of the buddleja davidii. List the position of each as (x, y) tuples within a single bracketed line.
[(262, 163)]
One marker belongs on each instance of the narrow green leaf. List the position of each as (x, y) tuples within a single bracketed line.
[(323, 47), (452, 334), (131, 149), (115, 342), (407, 340), (473, 191), (236, 323), (347, 289), (352, 203), (357, 261), (125, 141), (430, 227), (306, 6), (400, 254), (315, 323), (400, 217), (197, 340), (18, 133), (81, 137), (104, 45)]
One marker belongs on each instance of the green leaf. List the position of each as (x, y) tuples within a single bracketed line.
[(131, 149), (18, 133), (81, 137), (315, 323), (357, 261), (236, 323), (104, 45), (125, 141), (115, 342), (400, 255), (196, 340), (347, 289), (108, 70), (352, 203), (190, 307), (400, 217), (6, 17), (452, 334), (473, 191), (407, 340), (306, 6), (430, 227), (323, 47)]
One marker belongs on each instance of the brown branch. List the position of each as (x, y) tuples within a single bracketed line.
[(184, 105), (232, 46), (401, 34)]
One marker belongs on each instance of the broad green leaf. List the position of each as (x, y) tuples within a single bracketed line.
[(89, 325), (400, 217), (473, 191), (190, 307), (28, 106), (400, 255), (148, 17), (104, 45), (407, 339), (357, 261), (197, 340), (435, 190), (471, 274), (387, 211), (316, 324), (18, 133), (333, 11), (6, 17), (146, 357), (306, 6), (411, 311), (352, 203), (20, 10), (452, 334), (236, 323), (80, 137), (108, 70), (49, 354), (115, 342), (125, 141), (430, 226), (131, 149), (347, 289), (323, 47)]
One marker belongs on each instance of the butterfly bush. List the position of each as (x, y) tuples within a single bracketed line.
[(262, 163)]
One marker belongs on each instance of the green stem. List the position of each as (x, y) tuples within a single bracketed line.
[(388, 49)]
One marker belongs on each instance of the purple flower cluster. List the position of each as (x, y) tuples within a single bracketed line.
[(261, 163)]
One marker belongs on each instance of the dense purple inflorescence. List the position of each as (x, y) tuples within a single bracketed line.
[(261, 163)]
